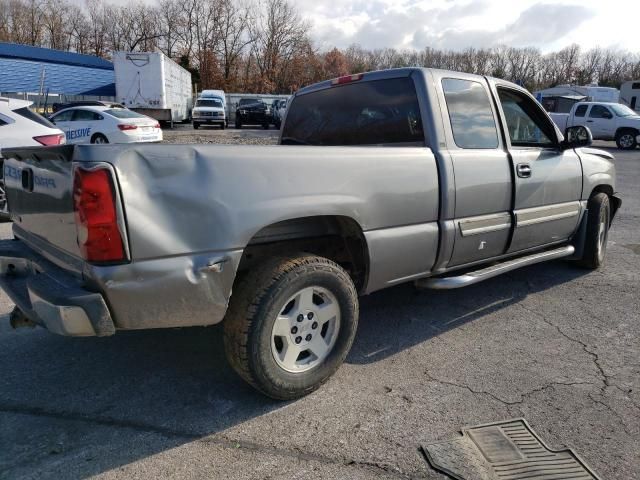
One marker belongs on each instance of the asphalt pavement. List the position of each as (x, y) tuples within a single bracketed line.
[(555, 344)]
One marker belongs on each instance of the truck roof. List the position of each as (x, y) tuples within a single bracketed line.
[(398, 73)]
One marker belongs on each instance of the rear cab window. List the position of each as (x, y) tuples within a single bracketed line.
[(377, 112)]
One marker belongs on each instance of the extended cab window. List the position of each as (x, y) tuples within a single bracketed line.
[(581, 110), (470, 114), (527, 124), (360, 113)]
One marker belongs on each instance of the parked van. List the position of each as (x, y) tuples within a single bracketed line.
[(214, 94), (630, 95)]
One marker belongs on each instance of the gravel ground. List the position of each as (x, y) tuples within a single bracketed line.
[(552, 343), (230, 136)]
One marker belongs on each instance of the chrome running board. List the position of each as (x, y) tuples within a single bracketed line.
[(448, 283)]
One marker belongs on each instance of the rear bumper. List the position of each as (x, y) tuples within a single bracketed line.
[(49, 296)]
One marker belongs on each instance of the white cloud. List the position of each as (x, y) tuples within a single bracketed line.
[(461, 23)]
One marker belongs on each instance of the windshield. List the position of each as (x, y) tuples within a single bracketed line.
[(209, 102), (622, 110), (123, 113)]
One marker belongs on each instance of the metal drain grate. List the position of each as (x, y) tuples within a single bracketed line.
[(508, 450)]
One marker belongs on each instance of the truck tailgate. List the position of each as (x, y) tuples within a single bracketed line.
[(39, 189)]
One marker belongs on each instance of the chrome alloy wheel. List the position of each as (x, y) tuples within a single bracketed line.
[(626, 140), (603, 234), (306, 329)]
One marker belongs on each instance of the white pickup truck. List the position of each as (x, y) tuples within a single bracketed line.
[(607, 121)]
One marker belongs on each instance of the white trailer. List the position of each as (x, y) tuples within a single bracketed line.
[(592, 93), (630, 95), (154, 85)]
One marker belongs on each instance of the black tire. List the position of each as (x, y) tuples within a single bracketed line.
[(256, 303), (99, 138), (626, 139), (196, 126), (223, 126), (265, 126), (598, 218), (238, 125)]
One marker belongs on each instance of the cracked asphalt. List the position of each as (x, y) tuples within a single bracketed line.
[(552, 343)]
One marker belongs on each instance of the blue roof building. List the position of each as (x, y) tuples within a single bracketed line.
[(23, 67)]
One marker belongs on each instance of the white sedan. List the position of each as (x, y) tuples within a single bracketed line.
[(22, 127), (95, 124)]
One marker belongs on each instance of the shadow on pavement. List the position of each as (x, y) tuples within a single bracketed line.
[(176, 384)]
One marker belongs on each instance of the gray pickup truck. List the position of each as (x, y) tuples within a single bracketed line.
[(408, 175)]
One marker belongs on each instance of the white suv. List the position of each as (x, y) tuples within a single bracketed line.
[(21, 127)]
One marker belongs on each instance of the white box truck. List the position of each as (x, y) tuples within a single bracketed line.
[(154, 85)]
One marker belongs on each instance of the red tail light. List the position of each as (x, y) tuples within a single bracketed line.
[(125, 126), (347, 79), (96, 216), (49, 140), (157, 125)]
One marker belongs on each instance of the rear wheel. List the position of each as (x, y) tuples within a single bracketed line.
[(196, 126), (598, 220), (290, 324), (626, 139), (238, 124), (99, 138)]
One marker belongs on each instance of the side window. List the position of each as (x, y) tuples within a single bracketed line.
[(599, 111), (527, 124), (2, 122), (63, 117), (470, 114), (85, 116), (581, 110)]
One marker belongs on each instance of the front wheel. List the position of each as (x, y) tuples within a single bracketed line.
[(291, 323), (598, 220), (196, 126)]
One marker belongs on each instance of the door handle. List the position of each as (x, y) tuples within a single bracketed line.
[(589, 121), (523, 170)]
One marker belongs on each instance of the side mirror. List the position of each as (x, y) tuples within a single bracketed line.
[(577, 136)]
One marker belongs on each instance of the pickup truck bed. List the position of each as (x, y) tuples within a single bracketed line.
[(382, 178)]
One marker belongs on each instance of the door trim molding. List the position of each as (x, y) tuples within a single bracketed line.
[(484, 224), (548, 213)]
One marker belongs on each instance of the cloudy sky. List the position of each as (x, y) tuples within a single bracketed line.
[(461, 23), (457, 24)]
